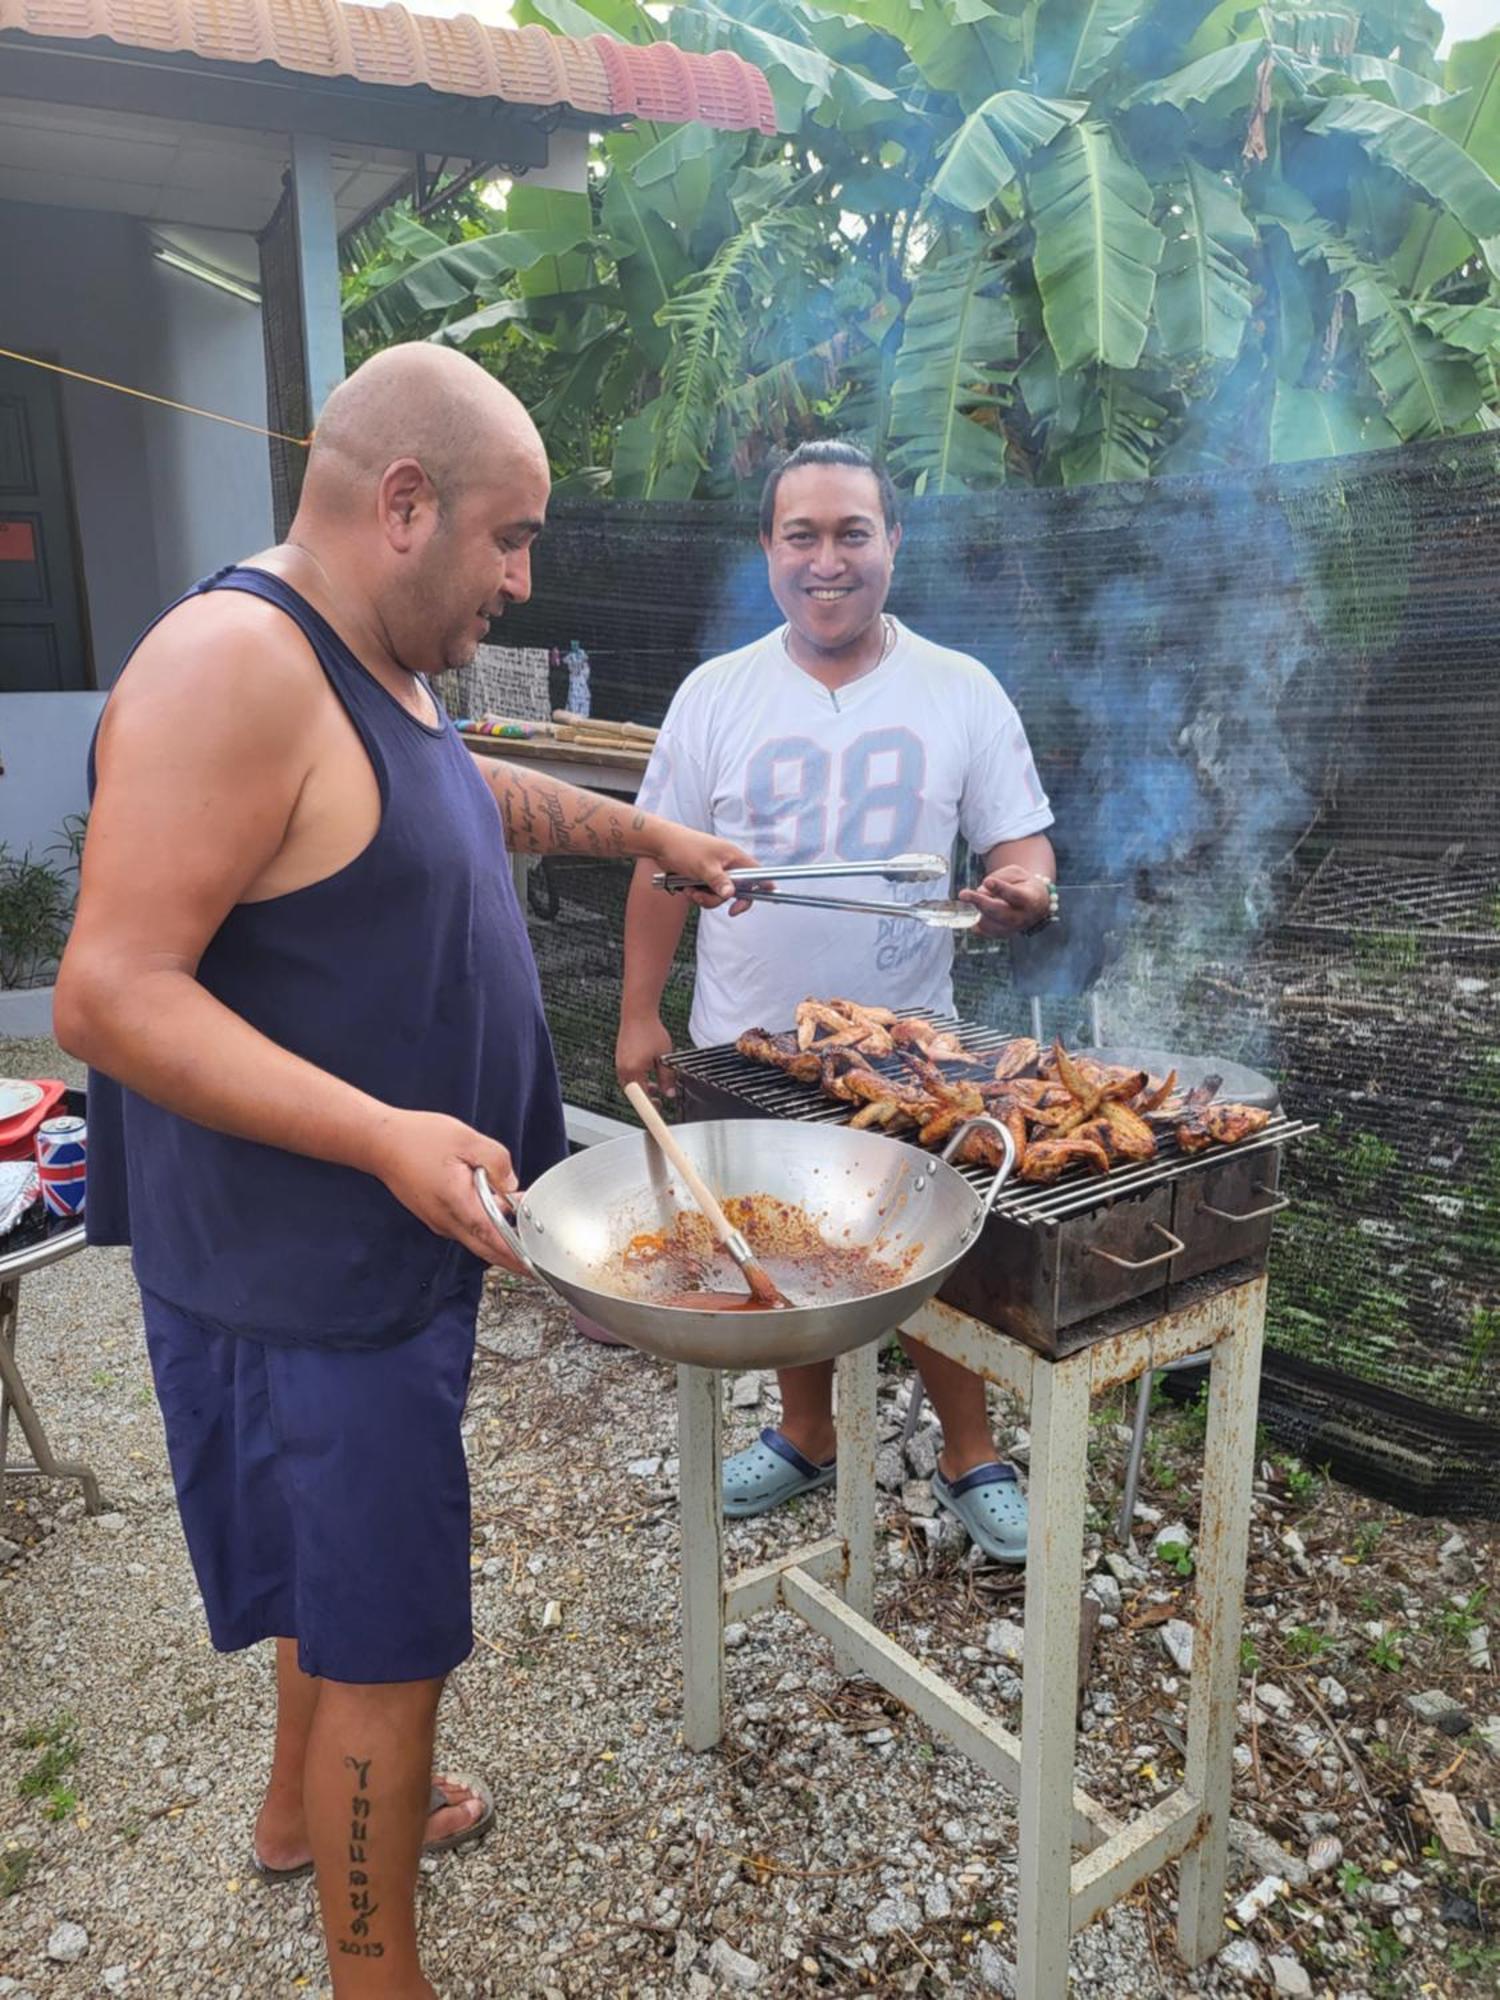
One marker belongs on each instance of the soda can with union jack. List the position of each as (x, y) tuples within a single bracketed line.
[(62, 1146)]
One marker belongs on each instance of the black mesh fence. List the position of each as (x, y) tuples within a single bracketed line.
[(1267, 710)]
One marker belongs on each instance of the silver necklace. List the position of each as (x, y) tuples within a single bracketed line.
[(887, 640)]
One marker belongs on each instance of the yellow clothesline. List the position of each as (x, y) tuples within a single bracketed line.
[(145, 396)]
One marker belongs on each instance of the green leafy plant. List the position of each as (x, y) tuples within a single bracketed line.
[(1455, 1622), (1178, 1556), (1306, 1642), (44, 1780), (1034, 242), (1367, 1539), (1386, 1653), (36, 907), (1353, 1880)]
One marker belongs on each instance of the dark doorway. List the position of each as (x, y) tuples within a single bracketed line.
[(43, 640)]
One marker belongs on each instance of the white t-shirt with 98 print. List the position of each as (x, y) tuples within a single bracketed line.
[(925, 746)]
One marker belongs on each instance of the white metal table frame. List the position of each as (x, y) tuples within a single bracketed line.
[(830, 1585), (14, 1395)]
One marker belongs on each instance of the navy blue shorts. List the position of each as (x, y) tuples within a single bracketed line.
[(324, 1492)]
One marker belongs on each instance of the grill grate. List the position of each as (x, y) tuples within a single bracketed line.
[(722, 1071)]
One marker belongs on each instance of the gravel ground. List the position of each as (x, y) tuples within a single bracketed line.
[(831, 1846)]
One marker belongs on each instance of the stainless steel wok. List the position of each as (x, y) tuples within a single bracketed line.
[(859, 1187)]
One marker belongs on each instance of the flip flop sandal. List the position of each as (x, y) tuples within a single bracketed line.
[(768, 1473), (437, 1801), (990, 1504)]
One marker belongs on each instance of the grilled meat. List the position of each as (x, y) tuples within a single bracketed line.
[(1062, 1110), (839, 1024), (780, 1052), (934, 1044), (1016, 1059), (1220, 1124), (1048, 1159)]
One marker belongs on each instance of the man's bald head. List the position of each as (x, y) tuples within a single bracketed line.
[(417, 402), (426, 487)]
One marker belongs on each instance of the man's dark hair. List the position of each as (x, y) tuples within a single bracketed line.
[(827, 451)]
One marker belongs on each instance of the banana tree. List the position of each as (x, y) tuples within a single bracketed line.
[(1054, 241)]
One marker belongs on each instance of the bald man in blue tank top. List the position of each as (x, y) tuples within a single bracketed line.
[(303, 986)]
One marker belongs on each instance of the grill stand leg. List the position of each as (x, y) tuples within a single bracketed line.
[(858, 1377), (14, 1395), (700, 1478), (1049, 1699), (1224, 1532)]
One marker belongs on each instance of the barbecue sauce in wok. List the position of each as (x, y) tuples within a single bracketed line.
[(686, 1266)]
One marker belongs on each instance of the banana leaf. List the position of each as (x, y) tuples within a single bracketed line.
[(1118, 436), (1096, 249), (1421, 154), (1323, 423), (1078, 40), (1437, 245), (1203, 290), (995, 142), (452, 275), (957, 349)]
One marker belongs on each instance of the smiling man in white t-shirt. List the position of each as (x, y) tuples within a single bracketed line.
[(841, 736)]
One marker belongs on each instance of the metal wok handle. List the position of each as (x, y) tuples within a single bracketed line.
[(1007, 1164), (1175, 1244), (506, 1229), (1273, 1207)]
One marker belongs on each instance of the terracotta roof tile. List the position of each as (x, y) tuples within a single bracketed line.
[(389, 45)]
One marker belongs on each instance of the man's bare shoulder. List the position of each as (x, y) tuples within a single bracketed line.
[(223, 653)]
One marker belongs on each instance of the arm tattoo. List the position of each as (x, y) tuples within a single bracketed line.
[(362, 1905), (543, 816)]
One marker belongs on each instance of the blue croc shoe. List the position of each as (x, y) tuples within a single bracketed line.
[(770, 1471), (991, 1505)]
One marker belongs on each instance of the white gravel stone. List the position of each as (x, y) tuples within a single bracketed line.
[(1176, 1534), (745, 1395), (1289, 1976), (922, 1452), (1274, 1698), (735, 1635), (1432, 1705), (1106, 1593), (1006, 1640), (1177, 1640), (894, 1913), (67, 1944), (644, 1468), (1243, 1957), (937, 1902), (738, 1972), (996, 1973), (916, 1498)]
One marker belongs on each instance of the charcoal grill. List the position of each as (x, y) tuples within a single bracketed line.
[(1057, 1266), (1071, 1290)]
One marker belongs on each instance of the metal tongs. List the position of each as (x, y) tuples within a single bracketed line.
[(942, 914)]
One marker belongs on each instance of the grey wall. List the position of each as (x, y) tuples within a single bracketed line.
[(44, 742), (210, 484), (76, 292), (161, 498)]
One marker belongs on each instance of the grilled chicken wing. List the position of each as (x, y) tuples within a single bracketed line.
[(935, 1044), (1220, 1124), (1047, 1159), (781, 1052), (1016, 1059)]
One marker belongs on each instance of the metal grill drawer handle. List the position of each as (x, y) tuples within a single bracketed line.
[(1142, 1263), (1273, 1207)]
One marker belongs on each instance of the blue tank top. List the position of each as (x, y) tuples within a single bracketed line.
[(409, 974)]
